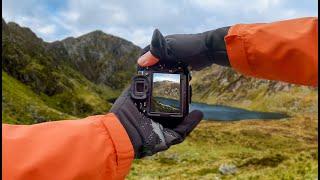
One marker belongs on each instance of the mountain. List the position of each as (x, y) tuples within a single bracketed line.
[(101, 58), (167, 89), (222, 85), (77, 77), (71, 78)]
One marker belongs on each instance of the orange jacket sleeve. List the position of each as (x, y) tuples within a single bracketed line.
[(96, 147), (284, 50)]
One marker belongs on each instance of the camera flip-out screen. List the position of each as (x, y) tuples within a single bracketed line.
[(166, 93)]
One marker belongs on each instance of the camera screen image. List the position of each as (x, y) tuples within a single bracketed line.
[(165, 93)]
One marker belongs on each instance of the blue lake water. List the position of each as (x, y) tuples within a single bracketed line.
[(225, 113)]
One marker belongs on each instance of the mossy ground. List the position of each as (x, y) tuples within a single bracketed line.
[(274, 149)]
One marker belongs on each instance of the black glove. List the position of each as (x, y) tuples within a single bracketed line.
[(197, 50), (147, 136)]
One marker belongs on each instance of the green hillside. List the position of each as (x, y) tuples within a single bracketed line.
[(22, 106), (220, 85), (50, 86)]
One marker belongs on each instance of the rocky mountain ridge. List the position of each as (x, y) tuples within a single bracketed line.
[(101, 58)]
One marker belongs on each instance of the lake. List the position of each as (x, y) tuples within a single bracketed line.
[(225, 113)]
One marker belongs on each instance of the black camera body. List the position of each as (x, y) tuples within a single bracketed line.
[(162, 92)]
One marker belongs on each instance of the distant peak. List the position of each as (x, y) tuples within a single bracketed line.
[(95, 33)]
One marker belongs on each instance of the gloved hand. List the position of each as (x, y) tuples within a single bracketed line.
[(196, 50), (147, 136)]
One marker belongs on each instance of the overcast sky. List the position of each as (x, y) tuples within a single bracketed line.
[(166, 77), (135, 20)]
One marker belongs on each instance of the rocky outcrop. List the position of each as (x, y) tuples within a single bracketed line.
[(101, 58)]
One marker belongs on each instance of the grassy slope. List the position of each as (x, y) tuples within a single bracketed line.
[(22, 106), (278, 149), (85, 98)]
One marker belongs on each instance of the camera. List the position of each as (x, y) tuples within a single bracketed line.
[(162, 92)]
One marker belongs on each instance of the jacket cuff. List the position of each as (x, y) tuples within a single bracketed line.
[(121, 142), (236, 49)]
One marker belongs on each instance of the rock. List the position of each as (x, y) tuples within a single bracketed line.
[(227, 169)]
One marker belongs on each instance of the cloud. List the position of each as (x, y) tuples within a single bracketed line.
[(136, 20), (140, 36), (166, 77), (258, 6), (47, 30)]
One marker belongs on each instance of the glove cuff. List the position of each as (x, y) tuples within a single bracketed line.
[(216, 45), (132, 133), (127, 116)]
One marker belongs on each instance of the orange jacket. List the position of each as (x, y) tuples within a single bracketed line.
[(98, 147), (94, 148), (283, 50)]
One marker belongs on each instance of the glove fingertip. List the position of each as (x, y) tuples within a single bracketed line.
[(158, 44), (196, 115), (156, 33), (189, 123)]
